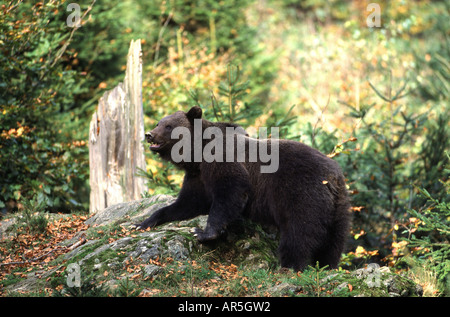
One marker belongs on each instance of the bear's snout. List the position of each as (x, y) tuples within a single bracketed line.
[(148, 137)]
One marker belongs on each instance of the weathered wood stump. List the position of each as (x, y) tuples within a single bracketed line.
[(115, 139)]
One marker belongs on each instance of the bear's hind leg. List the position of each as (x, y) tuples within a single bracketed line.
[(332, 247), (329, 255), (330, 251), (293, 253)]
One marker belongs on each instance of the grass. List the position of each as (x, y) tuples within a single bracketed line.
[(425, 277)]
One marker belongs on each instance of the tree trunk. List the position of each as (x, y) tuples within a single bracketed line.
[(116, 134)]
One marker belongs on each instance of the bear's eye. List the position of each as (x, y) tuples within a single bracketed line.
[(168, 127)]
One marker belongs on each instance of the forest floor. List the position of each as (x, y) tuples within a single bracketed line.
[(111, 259)]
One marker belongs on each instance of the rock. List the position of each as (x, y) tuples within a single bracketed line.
[(284, 289), (97, 266), (78, 250), (152, 270), (146, 249), (400, 286), (419, 290), (392, 286), (152, 253), (133, 211), (151, 247), (95, 253), (122, 243), (4, 225), (341, 286), (176, 248), (379, 281)]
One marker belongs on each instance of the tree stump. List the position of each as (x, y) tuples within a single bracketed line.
[(115, 139)]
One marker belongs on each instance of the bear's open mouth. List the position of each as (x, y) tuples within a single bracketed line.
[(155, 145)]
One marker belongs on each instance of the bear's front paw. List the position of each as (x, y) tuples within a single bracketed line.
[(143, 225), (205, 235), (137, 226)]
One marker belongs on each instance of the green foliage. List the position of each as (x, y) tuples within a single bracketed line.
[(89, 287), (36, 86), (432, 158), (34, 214), (221, 24), (388, 140), (402, 132), (230, 107), (127, 288), (433, 68), (428, 233), (160, 181), (314, 279), (320, 10)]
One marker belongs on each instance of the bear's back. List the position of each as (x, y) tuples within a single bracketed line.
[(305, 179)]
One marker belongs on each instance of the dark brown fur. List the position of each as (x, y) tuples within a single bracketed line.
[(305, 198)]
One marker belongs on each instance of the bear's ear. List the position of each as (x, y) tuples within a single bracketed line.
[(194, 113)]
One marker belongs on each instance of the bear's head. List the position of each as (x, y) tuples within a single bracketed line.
[(180, 137), (160, 137)]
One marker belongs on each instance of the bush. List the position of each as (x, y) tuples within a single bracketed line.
[(36, 86), (427, 233), (34, 214)]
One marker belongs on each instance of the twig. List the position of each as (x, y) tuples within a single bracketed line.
[(158, 43), (78, 243), (66, 44), (12, 7), (319, 118)]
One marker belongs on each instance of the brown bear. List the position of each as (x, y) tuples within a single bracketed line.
[(302, 191)]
